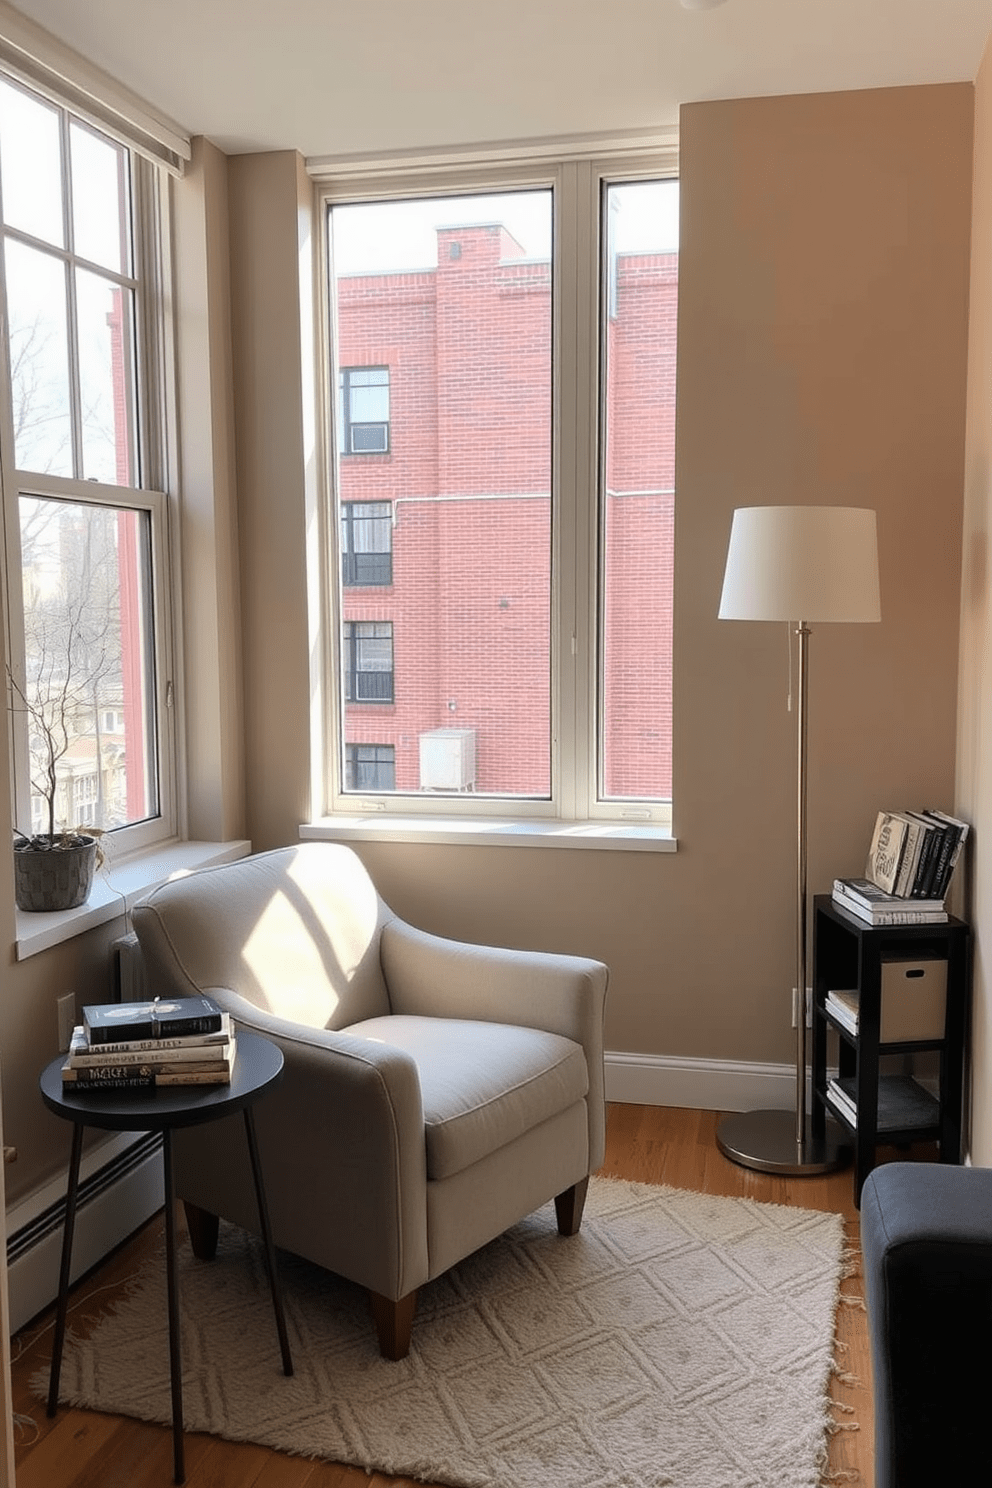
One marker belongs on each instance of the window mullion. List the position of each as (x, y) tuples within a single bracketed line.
[(575, 486), (71, 309)]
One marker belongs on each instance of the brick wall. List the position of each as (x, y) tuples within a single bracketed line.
[(469, 472)]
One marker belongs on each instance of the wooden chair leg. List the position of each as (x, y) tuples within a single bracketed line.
[(203, 1230), (569, 1206), (393, 1323)]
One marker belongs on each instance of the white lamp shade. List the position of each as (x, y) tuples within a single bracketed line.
[(801, 563)]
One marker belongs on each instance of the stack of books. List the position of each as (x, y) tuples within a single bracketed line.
[(147, 1045), (904, 1104), (910, 862), (861, 897)]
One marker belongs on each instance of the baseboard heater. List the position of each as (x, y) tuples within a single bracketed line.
[(120, 1188)]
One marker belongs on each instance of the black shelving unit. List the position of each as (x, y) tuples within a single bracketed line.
[(848, 953)]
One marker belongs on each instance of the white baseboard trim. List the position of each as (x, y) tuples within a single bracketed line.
[(120, 1187), (699, 1084)]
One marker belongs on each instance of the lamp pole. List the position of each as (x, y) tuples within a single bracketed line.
[(802, 631)]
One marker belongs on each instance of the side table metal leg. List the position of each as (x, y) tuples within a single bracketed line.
[(270, 1250), (172, 1284), (67, 1232)]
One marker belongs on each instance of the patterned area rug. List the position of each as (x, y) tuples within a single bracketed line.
[(679, 1340)]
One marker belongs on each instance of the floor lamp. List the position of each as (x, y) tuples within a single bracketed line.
[(798, 564)]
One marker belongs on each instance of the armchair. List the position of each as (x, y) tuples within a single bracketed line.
[(434, 1092)]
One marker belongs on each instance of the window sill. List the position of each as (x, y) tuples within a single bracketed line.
[(494, 832), (116, 887)]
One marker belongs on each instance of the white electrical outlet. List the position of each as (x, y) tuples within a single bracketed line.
[(67, 1020), (809, 1007)]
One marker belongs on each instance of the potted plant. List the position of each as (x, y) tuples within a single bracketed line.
[(53, 869)]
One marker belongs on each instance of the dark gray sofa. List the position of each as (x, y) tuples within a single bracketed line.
[(926, 1236)]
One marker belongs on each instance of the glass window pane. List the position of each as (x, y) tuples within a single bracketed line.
[(460, 290), (104, 315), (89, 675), (39, 361), (31, 165), (638, 499), (100, 210)]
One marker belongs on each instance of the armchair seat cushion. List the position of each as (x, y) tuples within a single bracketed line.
[(482, 1084)]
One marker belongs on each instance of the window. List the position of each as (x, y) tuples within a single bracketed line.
[(366, 543), (370, 767), (365, 410), (368, 661), (83, 438), (531, 498)]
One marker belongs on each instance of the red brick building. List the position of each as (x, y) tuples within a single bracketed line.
[(445, 474)]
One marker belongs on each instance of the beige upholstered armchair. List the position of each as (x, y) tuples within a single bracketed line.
[(434, 1093)]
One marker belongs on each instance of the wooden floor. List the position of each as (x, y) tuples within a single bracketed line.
[(82, 1449)]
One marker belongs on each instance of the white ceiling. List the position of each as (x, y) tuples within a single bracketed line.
[(351, 76)]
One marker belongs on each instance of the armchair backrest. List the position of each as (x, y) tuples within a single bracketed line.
[(295, 932)]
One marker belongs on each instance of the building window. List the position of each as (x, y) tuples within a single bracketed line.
[(533, 496), (369, 767), (83, 430), (365, 410), (368, 661), (366, 543)]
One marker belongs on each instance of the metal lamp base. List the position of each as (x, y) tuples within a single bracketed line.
[(767, 1141)]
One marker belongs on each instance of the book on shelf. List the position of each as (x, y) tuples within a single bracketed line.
[(954, 834), (913, 853), (915, 849), (912, 1008), (843, 1007), (886, 909), (885, 851), (903, 1103), (121, 1022)]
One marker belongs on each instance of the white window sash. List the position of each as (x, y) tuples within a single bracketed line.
[(577, 180)]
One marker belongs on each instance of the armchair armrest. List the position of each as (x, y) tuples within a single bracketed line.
[(345, 1128), (429, 976)]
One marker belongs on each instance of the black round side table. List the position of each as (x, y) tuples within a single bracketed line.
[(257, 1067)]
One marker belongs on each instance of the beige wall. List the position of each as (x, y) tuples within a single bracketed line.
[(212, 753), (823, 321), (269, 199), (975, 695)]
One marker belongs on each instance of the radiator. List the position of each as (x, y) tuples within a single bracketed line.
[(129, 971)]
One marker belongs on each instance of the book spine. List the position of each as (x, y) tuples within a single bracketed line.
[(181, 1027), (929, 877), (842, 1102), (109, 1080), (143, 1079), (950, 848), (909, 862), (884, 917), (842, 1015), (192, 1053), (81, 1044)]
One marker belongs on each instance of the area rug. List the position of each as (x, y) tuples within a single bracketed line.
[(679, 1340)]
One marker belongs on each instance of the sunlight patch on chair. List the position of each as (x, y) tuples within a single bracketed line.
[(301, 960)]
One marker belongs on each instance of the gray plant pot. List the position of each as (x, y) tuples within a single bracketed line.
[(52, 878)]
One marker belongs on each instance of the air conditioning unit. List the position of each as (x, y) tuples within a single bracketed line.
[(447, 760)]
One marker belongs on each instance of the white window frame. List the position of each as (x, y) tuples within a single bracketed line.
[(574, 815), (155, 442)]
